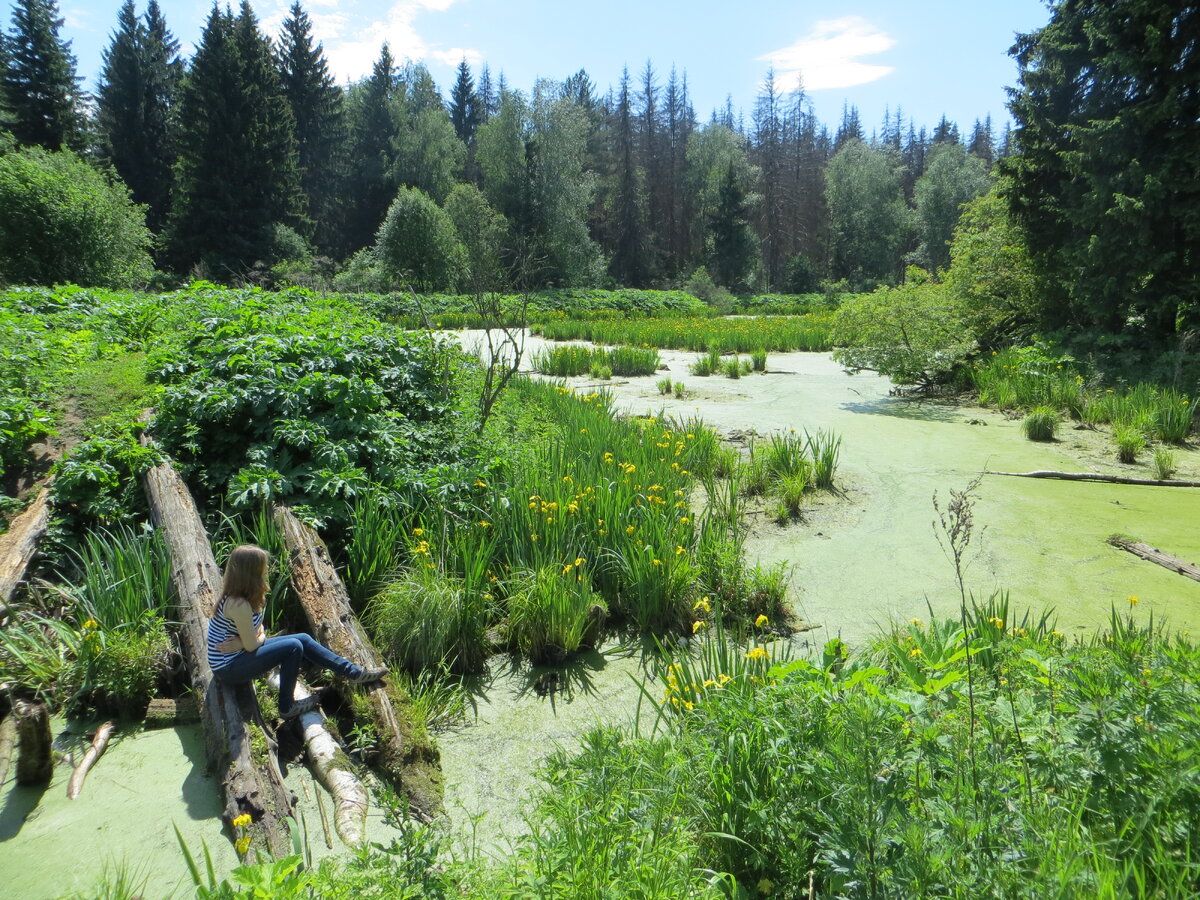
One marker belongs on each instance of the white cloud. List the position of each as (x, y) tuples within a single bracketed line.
[(351, 58), (828, 56)]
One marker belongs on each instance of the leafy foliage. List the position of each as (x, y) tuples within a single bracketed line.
[(307, 402), (417, 244), (914, 334), (63, 221)]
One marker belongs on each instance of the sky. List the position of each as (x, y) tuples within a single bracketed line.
[(933, 58)]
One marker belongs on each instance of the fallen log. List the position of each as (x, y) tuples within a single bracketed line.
[(333, 768), (410, 764), (167, 712), (19, 544), (1095, 476), (8, 742), (251, 782), (1154, 555), (99, 742), (35, 764)]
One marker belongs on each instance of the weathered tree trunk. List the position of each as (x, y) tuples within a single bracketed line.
[(99, 742), (8, 742), (251, 780), (35, 764), (166, 712), (333, 768), (19, 543), (412, 767), (1154, 555), (1096, 476)]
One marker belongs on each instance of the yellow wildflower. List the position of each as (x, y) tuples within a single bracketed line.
[(483, 524), (418, 531), (241, 845), (657, 562), (479, 482), (91, 623), (579, 561), (242, 821), (679, 551), (702, 604), (1133, 601), (629, 529), (762, 622), (566, 568), (709, 683), (757, 653), (997, 621), (698, 624), (914, 653)]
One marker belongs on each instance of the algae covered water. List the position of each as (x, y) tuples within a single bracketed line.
[(859, 559)]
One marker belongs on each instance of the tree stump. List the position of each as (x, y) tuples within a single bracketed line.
[(35, 762)]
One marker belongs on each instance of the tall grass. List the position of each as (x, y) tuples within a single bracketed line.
[(124, 578), (1021, 378), (375, 548), (745, 335), (552, 612), (571, 360)]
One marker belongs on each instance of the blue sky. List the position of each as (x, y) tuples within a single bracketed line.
[(930, 58)]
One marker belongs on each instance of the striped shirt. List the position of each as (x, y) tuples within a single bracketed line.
[(222, 628)]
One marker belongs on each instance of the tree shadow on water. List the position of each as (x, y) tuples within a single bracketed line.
[(918, 409)]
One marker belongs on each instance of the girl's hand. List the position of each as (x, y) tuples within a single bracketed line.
[(233, 645)]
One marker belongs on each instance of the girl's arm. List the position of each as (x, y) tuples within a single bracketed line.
[(243, 617)]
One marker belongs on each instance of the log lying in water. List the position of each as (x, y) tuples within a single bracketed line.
[(19, 544), (1154, 555), (166, 712), (35, 765), (1095, 476), (413, 770), (333, 768), (99, 742), (227, 714)]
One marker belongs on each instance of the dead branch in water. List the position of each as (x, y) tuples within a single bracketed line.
[(1095, 476), (99, 742)]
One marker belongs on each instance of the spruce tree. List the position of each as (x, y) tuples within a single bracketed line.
[(139, 83), (40, 84), (236, 176), (733, 243), (373, 115), (464, 106), (317, 107), (629, 263)]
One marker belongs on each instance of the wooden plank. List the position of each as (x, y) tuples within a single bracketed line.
[(1154, 555)]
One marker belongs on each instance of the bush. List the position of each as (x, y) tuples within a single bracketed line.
[(417, 244), (1041, 424), (63, 221)]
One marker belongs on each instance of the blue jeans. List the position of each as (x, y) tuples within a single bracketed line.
[(287, 652)]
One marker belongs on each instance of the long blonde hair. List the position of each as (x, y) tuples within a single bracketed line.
[(246, 575)]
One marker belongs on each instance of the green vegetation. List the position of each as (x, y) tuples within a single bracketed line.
[(567, 361), (774, 333), (1041, 424), (63, 221)]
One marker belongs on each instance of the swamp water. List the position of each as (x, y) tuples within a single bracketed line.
[(859, 560)]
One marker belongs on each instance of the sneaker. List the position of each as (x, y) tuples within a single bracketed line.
[(300, 707), (367, 675)]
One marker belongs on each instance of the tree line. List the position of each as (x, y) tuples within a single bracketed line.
[(250, 154)]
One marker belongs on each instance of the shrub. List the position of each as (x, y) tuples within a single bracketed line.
[(1129, 441), (1041, 424), (1164, 464), (552, 613), (417, 244), (63, 221), (731, 368)]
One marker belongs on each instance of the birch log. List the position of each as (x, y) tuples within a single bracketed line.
[(333, 768), (412, 768), (1154, 555), (227, 715), (99, 742), (19, 544)]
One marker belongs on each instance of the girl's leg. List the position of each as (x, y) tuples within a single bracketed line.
[(287, 652), (317, 654)]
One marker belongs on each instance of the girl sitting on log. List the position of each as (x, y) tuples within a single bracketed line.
[(239, 650)]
